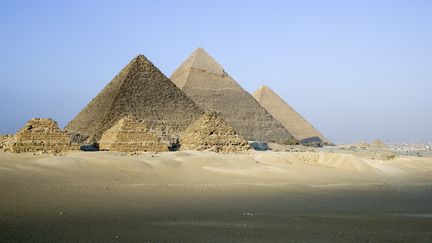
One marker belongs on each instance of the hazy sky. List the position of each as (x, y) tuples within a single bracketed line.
[(357, 70)]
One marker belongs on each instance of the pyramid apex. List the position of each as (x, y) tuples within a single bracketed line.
[(201, 52), (200, 60), (259, 92), (199, 48), (202, 55), (140, 57), (264, 87), (140, 60)]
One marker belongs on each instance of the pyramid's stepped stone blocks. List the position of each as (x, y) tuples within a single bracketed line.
[(140, 89), (212, 133), (301, 129), (6, 142), (42, 135), (131, 135), (206, 82)]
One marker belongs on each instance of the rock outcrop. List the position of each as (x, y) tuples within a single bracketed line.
[(207, 83), (131, 135), (141, 90), (41, 135), (212, 133), (299, 127)]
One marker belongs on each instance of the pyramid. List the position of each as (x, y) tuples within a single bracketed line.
[(130, 135), (207, 83), (41, 135), (301, 129), (141, 90), (212, 133)]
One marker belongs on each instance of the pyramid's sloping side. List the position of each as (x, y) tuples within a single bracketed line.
[(213, 89), (89, 120), (301, 129), (141, 90)]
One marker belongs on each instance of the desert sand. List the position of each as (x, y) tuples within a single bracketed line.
[(189, 196)]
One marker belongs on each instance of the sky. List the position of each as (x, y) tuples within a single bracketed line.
[(357, 70)]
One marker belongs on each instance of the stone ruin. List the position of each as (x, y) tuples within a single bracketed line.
[(40, 135), (212, 133), (131, 135)]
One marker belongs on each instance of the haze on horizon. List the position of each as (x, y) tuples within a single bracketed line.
[(356, 70)]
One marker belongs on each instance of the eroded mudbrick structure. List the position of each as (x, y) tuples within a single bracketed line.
[(207, 83), (212, 133), (131, 135), (41, 135)]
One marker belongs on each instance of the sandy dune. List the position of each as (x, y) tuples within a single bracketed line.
[(205, 167), (202, 196)]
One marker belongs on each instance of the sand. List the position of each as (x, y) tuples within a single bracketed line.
[(207, 197)]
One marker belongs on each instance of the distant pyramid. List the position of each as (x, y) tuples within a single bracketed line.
[(130, 135), (212, 133), (207, 83), (141, 90), (301, 129)]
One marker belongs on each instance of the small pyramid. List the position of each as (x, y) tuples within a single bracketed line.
[(212, 133), (141, 90), (301, 129), (206, 82), (131, 135), (41, 135)]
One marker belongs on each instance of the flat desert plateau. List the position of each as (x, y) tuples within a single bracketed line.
[(189, 196)]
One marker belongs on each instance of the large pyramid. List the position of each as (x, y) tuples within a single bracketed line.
[(141, 90), (301, 129), (207, 83)]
